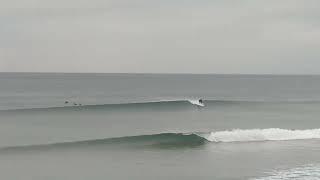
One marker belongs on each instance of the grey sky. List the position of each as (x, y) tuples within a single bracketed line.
[(160, 36)]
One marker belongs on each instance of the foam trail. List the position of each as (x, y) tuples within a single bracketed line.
[(272, 134)]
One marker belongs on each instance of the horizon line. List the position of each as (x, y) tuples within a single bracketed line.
[(160, 73)]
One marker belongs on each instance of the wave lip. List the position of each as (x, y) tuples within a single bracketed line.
[(272, 134)]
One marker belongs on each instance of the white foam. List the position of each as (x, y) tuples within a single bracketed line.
[(272, 134), (196, 102), (192, 101)]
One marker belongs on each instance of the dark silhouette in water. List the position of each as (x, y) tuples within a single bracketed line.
[(201, 101), (75, 104), (66, 102)]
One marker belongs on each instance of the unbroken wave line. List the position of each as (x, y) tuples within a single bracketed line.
[(161, 103), (164, 140), (175, 103)]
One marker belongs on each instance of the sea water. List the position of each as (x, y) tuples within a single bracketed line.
[(150, 126)]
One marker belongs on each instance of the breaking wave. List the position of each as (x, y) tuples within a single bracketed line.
[(181, 140)]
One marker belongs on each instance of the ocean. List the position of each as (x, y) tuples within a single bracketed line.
[(149, 126)]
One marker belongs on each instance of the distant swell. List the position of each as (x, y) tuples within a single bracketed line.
[(169, 104), (149, 104), (182, 140)]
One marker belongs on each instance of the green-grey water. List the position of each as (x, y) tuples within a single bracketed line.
[(147, 126)]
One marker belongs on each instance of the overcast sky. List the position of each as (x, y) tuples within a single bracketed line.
[(161, 36)]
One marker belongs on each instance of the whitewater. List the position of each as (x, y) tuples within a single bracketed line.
[(272, 134)]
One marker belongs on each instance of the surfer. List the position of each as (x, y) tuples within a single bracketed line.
[(200, 101), (66, 102)]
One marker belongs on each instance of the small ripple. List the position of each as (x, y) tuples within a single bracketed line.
[(306, 172)]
